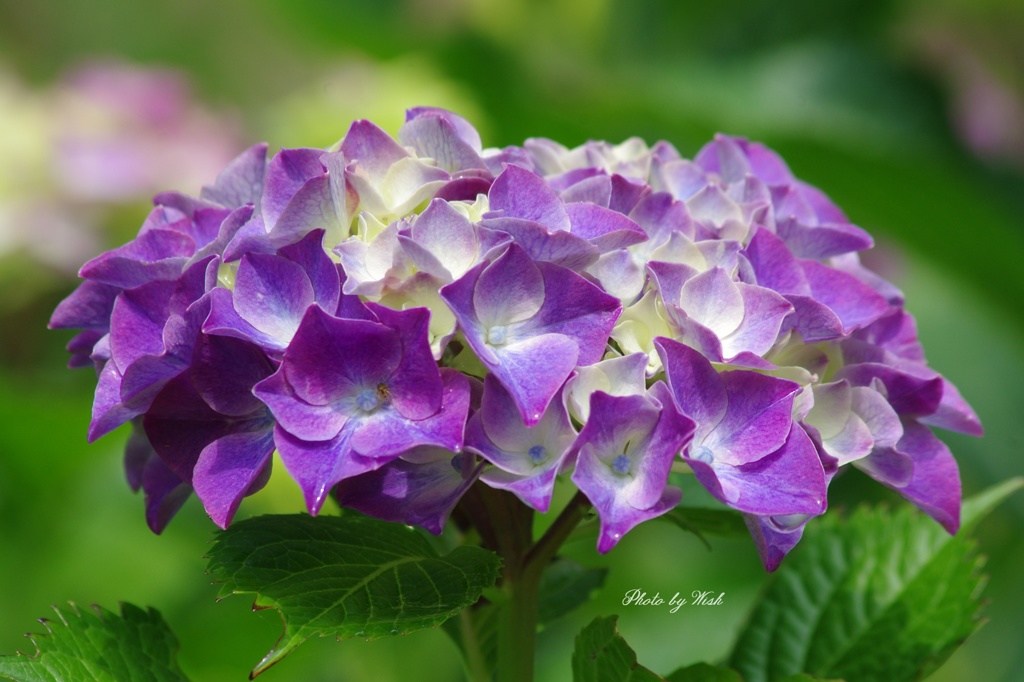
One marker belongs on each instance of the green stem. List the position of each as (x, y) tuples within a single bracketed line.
[(517, 627), (477, 669)]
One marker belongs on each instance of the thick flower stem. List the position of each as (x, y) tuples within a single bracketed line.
[(517, 630), (524, 567)]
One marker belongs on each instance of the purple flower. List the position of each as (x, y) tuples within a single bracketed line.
[(271, 294), (828, 303), (445, 137), (921, 468), (420, 488), (389, 182), (209, 429), (165, 492), (331, 305), (531, 323), (572, 235), (623, 456), (153, 330), (526, 459), (727, 321), (746, 449), (810, 224), (443, 243), (351, 395)]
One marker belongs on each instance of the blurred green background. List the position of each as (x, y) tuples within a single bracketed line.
[(908, 113)]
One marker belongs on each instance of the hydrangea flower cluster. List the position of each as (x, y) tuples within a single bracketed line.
[(401, 320)]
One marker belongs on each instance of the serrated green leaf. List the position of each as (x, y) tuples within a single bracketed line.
[(701, 521), (602, 655), (881, 596), (99, 646), (349, 576), (564, 586), (703, 672)]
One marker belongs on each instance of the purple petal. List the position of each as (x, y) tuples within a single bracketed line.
[(774, 264), (789, 480), (444, 243), (421, 492), (224, 372), (387, 433), (588, 185), (224, 320), (934, 481), (320, 465), (908, 394), (227, 470), (81, 347), (272, 294), (534, 491), (287, 172), (251, 237), (241, 181), (696, 387), (823, 240), (435, 136), (757, 419), (741, 416), (165, 493), (775, 536), (415, 385), (296, 416), (626, 194), (137, 322), (226, 231), (158, 254), (463, 189), (856, 304), (87, 307), (527, 457), (954, 413), (763, 315), (559, 247), (463, 128), (508, 290), (329, 358), (604, 228), (518, 193), (179, 424), (533, 371), (312, 207), (623, 457), (660, 215), (371, 148)]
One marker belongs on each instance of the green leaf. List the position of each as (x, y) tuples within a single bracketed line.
[(703, 672), (602, 655), (701, 521), (99, 646), (349, 576), (881, 596), (565, 586)]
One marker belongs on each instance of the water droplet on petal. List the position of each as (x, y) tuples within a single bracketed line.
[(787, 523)]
